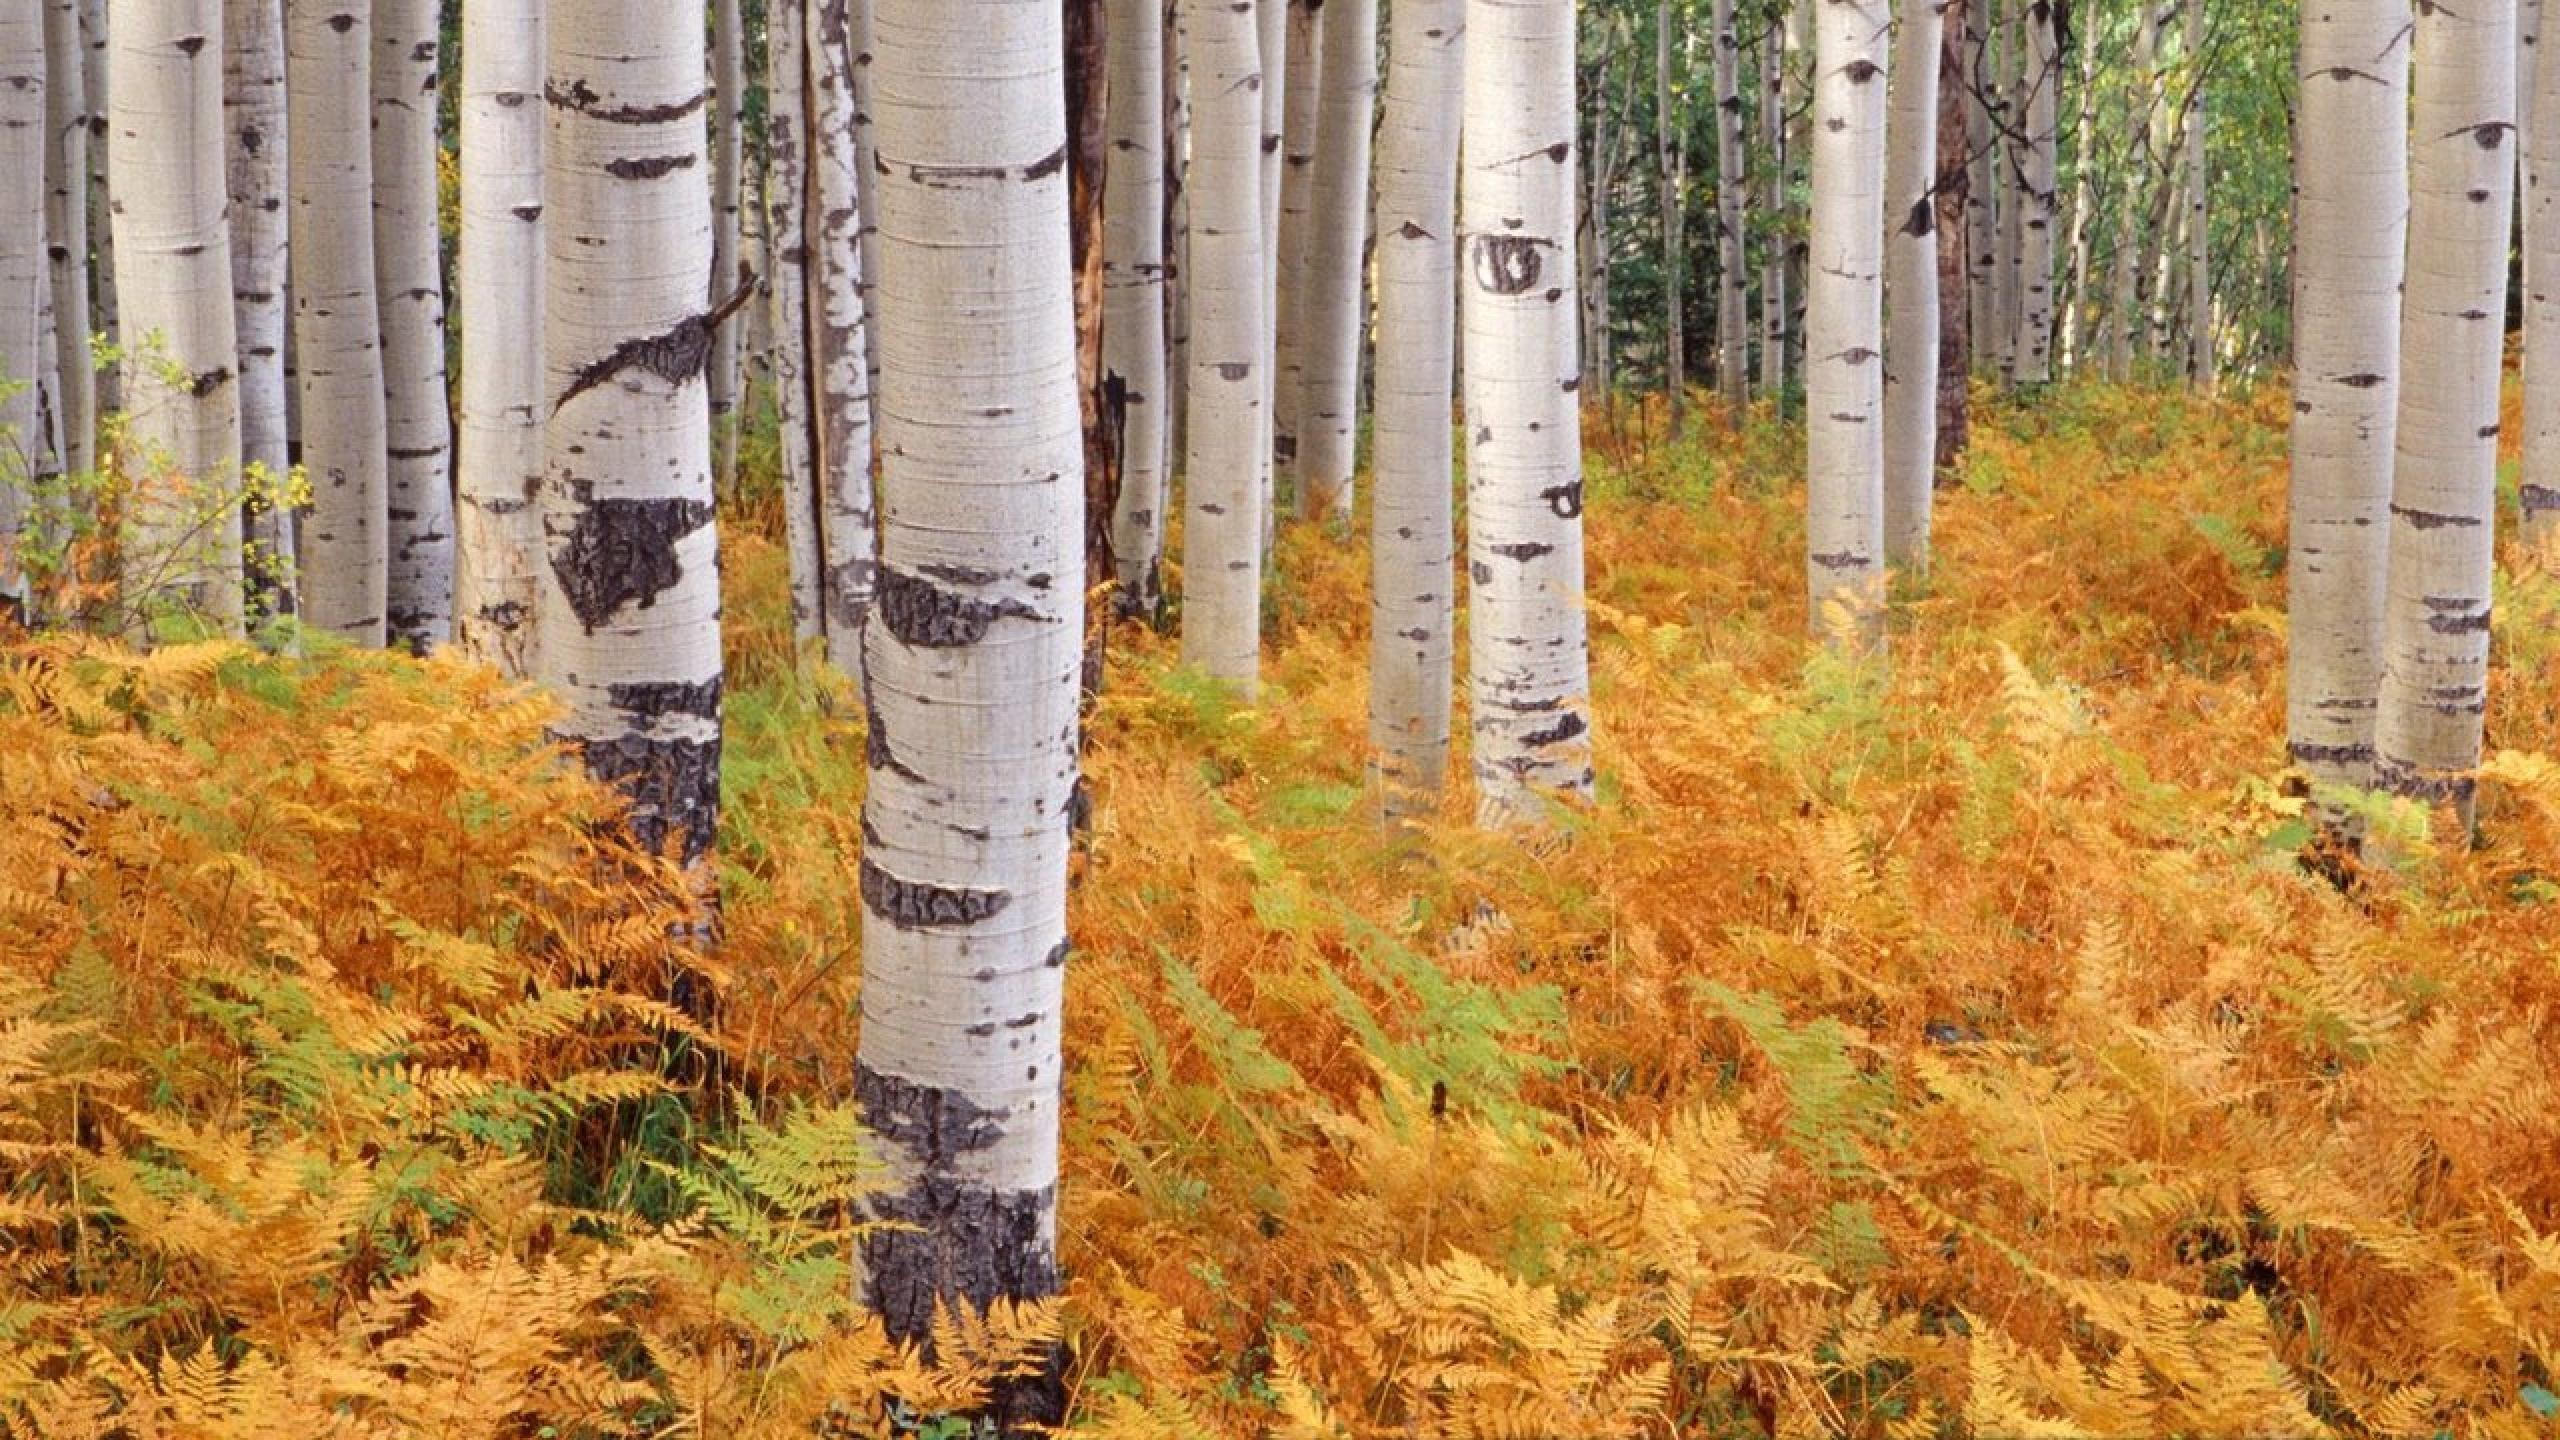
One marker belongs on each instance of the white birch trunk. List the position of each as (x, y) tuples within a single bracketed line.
[(1289, 319), (1844, 341), (973, 661), (1133, 283), (839, 350), (1775, 308), (1733, 295), (2038, 192), (254, 112), (629, 598), (1670, 163), (1177, 226), (27, 365), (2124, 311), (2539, 489), (102, 233), (1911, 258), (2008, 111), (1983, 184), (2351, 188), (498, 560), (2076, 303), (2435, 670), (182, 447), (1412, 532), (2202, 356), (1222, 538), (787, 206), (867, 177), (66, 219), (337, 329), (1329, 385), (729, 269), (409, 269), (1529, 648)]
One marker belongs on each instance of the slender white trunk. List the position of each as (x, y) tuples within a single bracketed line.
[(497, 577), (1529, 669), (1983, 184), (973, 659), (2540, 487), (2351, 188), (728, 263), (2202, 357), (2435, 669), (787, 206), (409, 269), (1133, 280), (2124, 311), (26, 364), (1300, 147), (1911, 258), (1733, 295), (337, 330), (1412, 533), (2078, 278), (1329, 386), (629, 602), (182, 447), (2041, 115), (1670, 165), (1775, 247), (1222, 539), (2008, 109), (254, 111), (1177, 281), (1844, 343), (839, 347), (66, 220), (102, 233), (867, 177)]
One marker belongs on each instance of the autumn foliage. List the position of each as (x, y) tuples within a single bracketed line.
[(1955, 1048)]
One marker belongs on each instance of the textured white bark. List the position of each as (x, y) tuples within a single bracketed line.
[(867, 176), (337, 329), (1733, 292), (1412, 534), (2203, 357), (2435, 670), (1844, 340), (728, 264), (1177, 212), (1911, 261), (1329, 385), (629, 599), (2351, 187), (1775, 308), (2008, 110), (498, 563), (26, 364), (1671, 167), (839, 348), (974, 651), (1529, 670), (2041, 116), (2124, 309), (787, 206), (253, 106), (1301, 145), (2540, 487), (66, 221), (1133, 282), (1222, 538), (102, 233), (1983, 183), (409, 269), (182, 395)]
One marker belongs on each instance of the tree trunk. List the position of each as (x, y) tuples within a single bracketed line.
[(2037, 192), (337, 330), (1669, 162), (1530, 665), (1177, 227), (1983, 185), (2008, 114), (2351, 188), (2124, 308), (1955, 260), (182, 445), (254, 116), (102, 232), (410, 271), (630, 591), (787, 202), (2435, 670), (1222, 543), (2201, 354), (1844, 381), (1277, 29), (1778, 238), (839, 355), (2539, 489), (1911, 259), (1412, 532), (1301, 148), (1733, 295), (66, 219), (866, 154), (1591, 240), (728, 264), (25, 361), (498, 560), (2076, 306), (1133, 279), (1329, 384), (973, 660)]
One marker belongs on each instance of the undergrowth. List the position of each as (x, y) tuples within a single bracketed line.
[(1954, 1048)]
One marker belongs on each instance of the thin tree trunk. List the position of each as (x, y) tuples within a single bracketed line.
[(1778, 240), (1844, 379), (2202, 356), (787, 205), (1222, 541), (2038, 194), (839, 355), (1733, 295), (1984, 183), (630, 591), (2539, 490), (1177, 229), (66, 218), (25, 361), (102, 232), (2076, 276), (728, 265), (1911, 259), (2124, 309), (2444, 493), (2009, 158), (1955, 261), (1292, 325), (498, 559), (254, 115), (1412, 532), (866, 154), (182, 446), (410, 270), (972, 662), (1530, 665), (1133, 271), (1329, 384), (1591, 239), (2351, 188), (1277, 30), (1669, 162)]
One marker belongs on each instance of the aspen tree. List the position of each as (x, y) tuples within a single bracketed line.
[(1911, 258), (1733, 281), (1276, 29), (1955, 260), (839, 350), (1529, 669), (2539, 490), (787, 201), (629, 595), (182, 392), (1222, 537), (2351, 188), (729, 268), (1775, 309), (409, 269), (1301, 147), (2435, 667), (66, 220), (2041, 116), (973, 657), (1133, 283), (253, 106), (2202, 357), (1412, 533), (102, 233), (2008, 160), (2124, 308), (25, 362), (1329, 382), (1670, 163), (499, 520), (1984, 182), (337, 329), (1177, 225), (867, 177), (1844, 343)]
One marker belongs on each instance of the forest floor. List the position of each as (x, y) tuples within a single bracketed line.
[(1957, 1047)]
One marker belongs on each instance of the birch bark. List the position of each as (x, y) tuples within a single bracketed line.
[(254, 113), (66, 216), (1911, 258), (1844, 345), (1133, 281), (26, 363), (409, 269), (839, 354), (1329, 385)]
